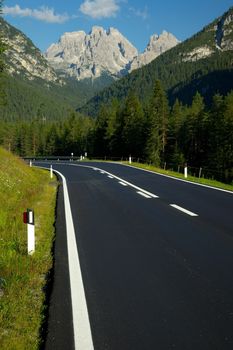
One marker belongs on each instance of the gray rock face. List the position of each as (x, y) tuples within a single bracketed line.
[(158, 44), (224, 33), (23, 58), (82, 55)]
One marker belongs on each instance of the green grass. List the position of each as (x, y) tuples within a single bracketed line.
[(203, 181), (23, 277)]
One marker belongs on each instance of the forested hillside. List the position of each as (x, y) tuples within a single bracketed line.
[(198, 64)]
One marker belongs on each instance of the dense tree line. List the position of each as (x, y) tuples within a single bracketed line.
[(45, 138), (197, 134)]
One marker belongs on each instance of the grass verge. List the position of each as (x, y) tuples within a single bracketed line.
[(207, 182), (23, 277)]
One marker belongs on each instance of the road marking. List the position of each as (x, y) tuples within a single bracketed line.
[(114, 177), (183, 210), (110, 177), (144, 194), (120, 179), (122, 183), (81, 324), (176, 178), (102, 172)]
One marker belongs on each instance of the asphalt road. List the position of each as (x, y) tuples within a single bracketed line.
[(155, 276)]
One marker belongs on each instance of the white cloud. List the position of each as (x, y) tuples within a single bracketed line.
[(44, 14), (140, 13), (99, 8)]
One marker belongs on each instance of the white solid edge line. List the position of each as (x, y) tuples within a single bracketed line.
[(81, 323), (143, 194), (176, 178), (183, 210)]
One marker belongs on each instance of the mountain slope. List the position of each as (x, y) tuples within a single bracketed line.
[(189, 66), (30, 82), (23, 58)]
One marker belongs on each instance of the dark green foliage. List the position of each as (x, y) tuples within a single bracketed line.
[(39, 138), (27, 101), (158, 124)]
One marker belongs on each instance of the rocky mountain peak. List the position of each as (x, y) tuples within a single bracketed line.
[(82, 55), (157, 45)]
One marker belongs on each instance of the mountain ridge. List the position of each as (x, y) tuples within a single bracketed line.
[(187, 67), (80, 55)]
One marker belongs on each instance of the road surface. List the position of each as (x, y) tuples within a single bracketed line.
[(156, 259)]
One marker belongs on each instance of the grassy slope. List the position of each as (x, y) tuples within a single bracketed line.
[(23, 277)]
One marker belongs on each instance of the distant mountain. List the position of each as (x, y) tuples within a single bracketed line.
[(109, 53), (202, 63), (23, 58), (32, 86), (82, 55), (158, 44), (70, 72)]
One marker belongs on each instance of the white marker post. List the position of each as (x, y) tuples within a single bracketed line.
[(51, 171), (28, 218), (130, 160), (30, 163), (185, 171)]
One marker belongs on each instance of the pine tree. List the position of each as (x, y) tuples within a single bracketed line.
[(134, 127), (175, 137), (158, 119)]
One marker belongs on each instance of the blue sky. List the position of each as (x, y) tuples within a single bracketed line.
[(44, 21)]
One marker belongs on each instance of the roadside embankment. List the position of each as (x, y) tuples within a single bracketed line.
[(22, 276)]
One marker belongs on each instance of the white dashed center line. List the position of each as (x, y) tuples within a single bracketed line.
[(143, 194), (183, 210), (122, 183)]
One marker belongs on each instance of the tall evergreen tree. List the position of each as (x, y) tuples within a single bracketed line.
[(174, 152), (158, 120), (134, 127)]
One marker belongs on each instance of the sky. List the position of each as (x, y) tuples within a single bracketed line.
[(44, 21)]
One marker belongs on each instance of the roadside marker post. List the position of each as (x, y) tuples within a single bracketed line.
[(186, 171), (51, 171), (28, 218), (130, 160), (30, 163)]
